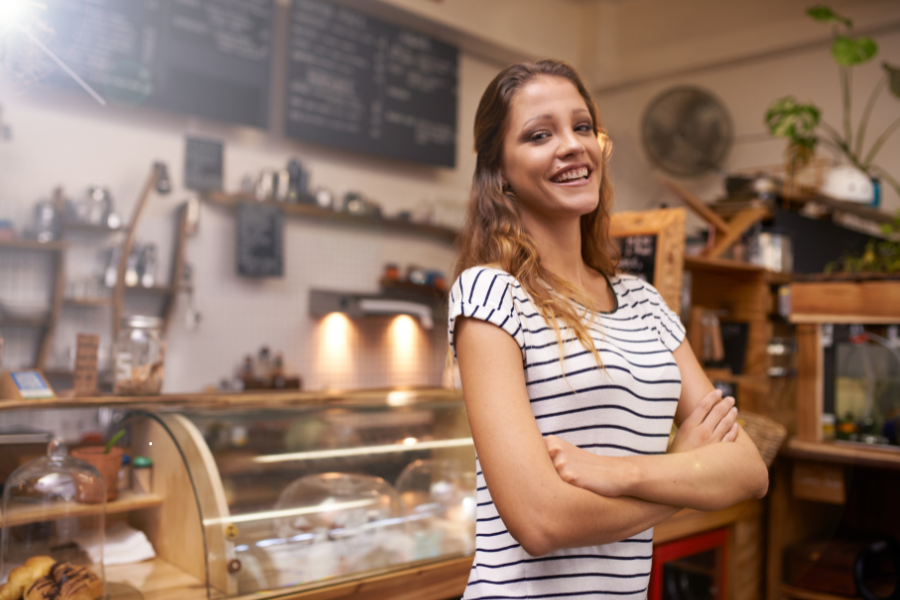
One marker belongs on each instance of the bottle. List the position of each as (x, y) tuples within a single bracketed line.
[(124, 482)]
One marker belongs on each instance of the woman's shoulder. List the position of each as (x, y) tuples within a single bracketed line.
[(482, 281)]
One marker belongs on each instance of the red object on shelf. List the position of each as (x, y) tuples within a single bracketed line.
[(663, 553)]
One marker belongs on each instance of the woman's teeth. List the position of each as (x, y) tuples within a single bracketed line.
[(581, 173)]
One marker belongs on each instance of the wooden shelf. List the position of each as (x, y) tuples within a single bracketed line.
[(24, 322), (311, 211), (91, 228), (156, 289), (845, 453), (689, 521), (799, 593), (20, 244), (89, 302), (156, 579), (126, 502), (721, 265)]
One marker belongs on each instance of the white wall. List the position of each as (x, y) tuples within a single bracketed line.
[(66, 139), (747, 88)]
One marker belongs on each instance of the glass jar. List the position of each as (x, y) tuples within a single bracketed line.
[(53, 523), (139, 356)]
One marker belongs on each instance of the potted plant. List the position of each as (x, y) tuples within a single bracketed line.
[(802, 124), (105, 459)]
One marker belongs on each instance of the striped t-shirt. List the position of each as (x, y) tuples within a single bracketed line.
[(622, 411)]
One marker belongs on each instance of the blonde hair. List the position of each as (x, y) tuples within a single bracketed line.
[(494, 233)]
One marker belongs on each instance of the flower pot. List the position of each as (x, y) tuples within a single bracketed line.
[(107, 464)]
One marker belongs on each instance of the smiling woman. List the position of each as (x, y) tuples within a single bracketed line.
[(572, 374)]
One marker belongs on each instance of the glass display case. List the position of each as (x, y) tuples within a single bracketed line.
[(283, 494)]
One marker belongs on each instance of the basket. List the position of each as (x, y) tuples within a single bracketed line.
[(768, 435)]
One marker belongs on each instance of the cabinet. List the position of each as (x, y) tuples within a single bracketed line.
[(829, 490), (295, 495)]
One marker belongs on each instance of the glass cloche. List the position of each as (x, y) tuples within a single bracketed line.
[(322, 526), (438, 497), (54, 511)]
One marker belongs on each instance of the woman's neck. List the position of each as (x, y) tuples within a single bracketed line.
[(559, 247)]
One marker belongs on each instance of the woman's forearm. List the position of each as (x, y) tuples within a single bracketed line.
[(578, 517), (708, 478)]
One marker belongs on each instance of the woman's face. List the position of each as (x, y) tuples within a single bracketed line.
[(552, 160)]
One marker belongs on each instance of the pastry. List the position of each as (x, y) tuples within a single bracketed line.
[(45, 588), (76, 583), (22, 578)]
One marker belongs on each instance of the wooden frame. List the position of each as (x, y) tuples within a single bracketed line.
[(667, 224)]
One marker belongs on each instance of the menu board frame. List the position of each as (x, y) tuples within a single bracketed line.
[(666, 225)]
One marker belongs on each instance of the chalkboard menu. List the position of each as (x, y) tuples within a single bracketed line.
[(205, 57), (260, 240), (360, 84), (637, 256)]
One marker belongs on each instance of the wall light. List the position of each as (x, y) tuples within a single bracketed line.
[(356, 306)]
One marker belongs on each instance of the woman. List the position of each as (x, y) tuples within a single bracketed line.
[(571, 415)]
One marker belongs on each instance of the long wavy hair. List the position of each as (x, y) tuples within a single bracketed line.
[(494, 233)]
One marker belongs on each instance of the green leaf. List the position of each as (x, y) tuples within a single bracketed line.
[(826, 15), (848, 52), (893, 74), (112, 441), (786, 118)]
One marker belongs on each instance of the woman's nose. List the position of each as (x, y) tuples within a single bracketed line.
[(569, 144)]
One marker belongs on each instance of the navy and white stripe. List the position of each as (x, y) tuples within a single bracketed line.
[(625, 409)]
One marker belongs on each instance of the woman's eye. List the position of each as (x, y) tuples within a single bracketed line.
[(585, 127), (538, 136)]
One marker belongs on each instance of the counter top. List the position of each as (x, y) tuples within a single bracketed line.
[(255, 399)]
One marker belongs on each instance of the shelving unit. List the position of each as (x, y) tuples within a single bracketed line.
[(48, 323), (317, 213)]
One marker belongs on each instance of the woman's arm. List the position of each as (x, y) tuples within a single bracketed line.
[(697, 474), (542, 512)]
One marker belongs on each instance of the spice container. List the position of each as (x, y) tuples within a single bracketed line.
[(139, 355), (142, 472)]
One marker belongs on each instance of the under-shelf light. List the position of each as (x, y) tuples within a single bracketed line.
[(322, 303)]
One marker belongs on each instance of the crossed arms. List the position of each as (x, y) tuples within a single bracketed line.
[(553, 495)]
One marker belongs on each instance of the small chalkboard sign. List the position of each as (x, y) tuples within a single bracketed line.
[(651, 246), (203, 164), (260, 240), (637, 256)]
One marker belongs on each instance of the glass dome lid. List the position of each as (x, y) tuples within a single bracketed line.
[(53, 523)]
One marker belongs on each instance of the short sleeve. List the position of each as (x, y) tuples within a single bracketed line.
[(663, 320), (486, 294)]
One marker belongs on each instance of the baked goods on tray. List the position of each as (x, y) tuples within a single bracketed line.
[(42, 578)]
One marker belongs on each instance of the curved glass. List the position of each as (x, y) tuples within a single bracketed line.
[(338, 489)]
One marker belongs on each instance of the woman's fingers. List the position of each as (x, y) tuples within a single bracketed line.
[(732, 434), (718, 412), (725, 425), (702, 410)]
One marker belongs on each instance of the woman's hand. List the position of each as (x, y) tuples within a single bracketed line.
[(713, 420), (605, 475)]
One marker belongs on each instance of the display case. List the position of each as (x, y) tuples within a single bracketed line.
[(282, 495)]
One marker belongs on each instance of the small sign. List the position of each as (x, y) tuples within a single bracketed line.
[(203, 164), (84, 380), (26, 385), (260, 240)]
